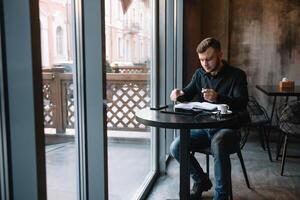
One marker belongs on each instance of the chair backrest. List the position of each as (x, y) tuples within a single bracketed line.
[(258, 114), (289, 117), (290, 112)]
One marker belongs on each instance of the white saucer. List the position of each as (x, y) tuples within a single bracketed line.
[(228, 112)]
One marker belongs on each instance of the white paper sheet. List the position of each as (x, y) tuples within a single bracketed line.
[(197, 105)]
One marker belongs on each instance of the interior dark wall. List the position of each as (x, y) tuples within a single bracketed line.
[(202, 19), (191, 38), (214, 22), (265, 40)]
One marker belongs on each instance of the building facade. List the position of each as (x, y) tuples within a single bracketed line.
[(127, 33)]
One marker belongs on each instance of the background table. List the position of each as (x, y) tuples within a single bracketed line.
[(274, 91), (184, 123)]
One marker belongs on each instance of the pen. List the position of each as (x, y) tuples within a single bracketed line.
[(176, 113)]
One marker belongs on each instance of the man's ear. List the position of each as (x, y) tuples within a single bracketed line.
[(220, 55)]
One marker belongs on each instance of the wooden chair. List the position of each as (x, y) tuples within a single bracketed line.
[(237, 150), (258, 119)]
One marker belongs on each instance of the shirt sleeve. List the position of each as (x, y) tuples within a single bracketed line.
[(239, 98), (190, 90)]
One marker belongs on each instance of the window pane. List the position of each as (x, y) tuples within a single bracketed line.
[(128, 58), (58, 70), (59, 41)]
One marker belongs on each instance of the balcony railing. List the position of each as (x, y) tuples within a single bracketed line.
[(130, 69), (126, 92), (58, 99)]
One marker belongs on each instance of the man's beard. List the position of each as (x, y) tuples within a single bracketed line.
[(218, 64)]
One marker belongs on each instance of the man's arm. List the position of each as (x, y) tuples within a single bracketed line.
[(175, 94), (189, 91)]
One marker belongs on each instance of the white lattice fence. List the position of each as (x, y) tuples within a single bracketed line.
[(68, 104), (58, 100), (49, 109), (126, 94)]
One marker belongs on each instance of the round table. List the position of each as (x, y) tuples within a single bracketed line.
[(169, 119)]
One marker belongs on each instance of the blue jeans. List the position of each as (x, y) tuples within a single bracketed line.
[(222, 143)]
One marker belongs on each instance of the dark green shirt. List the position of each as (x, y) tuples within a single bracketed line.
[(230, 83)]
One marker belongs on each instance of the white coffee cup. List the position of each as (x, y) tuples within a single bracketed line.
[(223, 108)]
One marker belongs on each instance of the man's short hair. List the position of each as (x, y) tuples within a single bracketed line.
[(208, 42)]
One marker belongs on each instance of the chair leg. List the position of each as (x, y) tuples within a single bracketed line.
[(261, 137), (279, 144), (239, 153), (243, 139), (284, 153), (267, 135), (207, 164)]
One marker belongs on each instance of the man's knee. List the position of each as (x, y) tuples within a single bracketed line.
[(223, 141)]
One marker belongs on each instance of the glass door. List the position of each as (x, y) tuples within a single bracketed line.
[(129, 64), (59, 99)]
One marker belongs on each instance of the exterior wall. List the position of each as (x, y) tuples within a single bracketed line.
[(55, 13), (130, 30), (133, 27)]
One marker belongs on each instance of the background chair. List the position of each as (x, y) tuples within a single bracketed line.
[(237, 150), (260, 120), (289, 125)]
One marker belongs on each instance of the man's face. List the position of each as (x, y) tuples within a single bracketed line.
[(210, 59)]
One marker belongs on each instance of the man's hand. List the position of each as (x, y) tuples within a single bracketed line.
[(209, 95), (176, 93)]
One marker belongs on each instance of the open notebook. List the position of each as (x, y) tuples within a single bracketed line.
[(197, 105)]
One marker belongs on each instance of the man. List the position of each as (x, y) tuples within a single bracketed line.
[(217, 82)]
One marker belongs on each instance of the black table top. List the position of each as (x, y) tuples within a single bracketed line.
[(175, 121), (274, 90)]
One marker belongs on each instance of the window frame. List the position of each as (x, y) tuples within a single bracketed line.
[(22, 76), (4, 172)]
